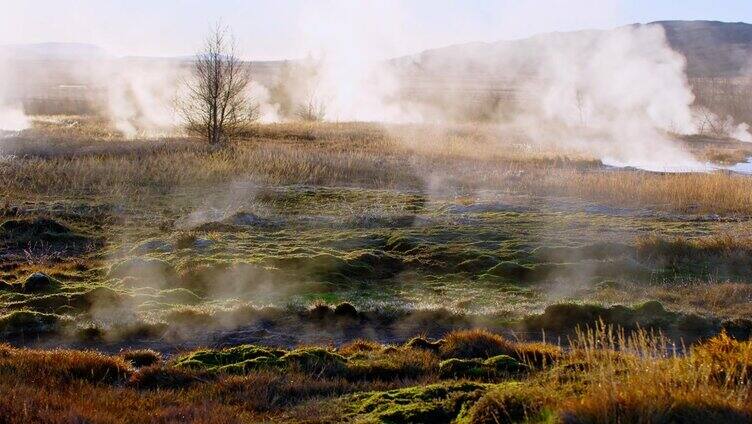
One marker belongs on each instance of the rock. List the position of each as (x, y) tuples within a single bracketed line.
[(202, 244), (424, 344), (346, 310), (37, 282), (245, 218)]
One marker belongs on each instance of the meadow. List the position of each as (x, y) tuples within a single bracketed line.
[(322, 272)]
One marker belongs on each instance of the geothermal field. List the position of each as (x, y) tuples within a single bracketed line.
[(553, 229)]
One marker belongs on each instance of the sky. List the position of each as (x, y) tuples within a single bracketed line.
[(282, 29)]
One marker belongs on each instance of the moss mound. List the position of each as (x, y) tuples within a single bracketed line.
[(38, 282), (36, 229), (162, 377), (564, 318), (436, 403), (29, 324), (244, 367), (509, 403), (143, 270), (245, 358), (210, 359), (315, 361), (494, 367)]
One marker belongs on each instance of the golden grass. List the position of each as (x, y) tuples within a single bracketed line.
[(708, 193), (77, 159), (652, 383), (606, 376)]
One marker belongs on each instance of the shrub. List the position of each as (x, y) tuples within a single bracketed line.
[(537, 354), (358, 346), (141, 357), (62, 366), (730, 360), (475, 344)]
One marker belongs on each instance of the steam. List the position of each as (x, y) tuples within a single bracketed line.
[(12, 116), (621, 95), (141, 97), (13, 119), (618, 93)]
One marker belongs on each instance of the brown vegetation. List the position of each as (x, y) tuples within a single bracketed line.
[(364, 154), (605, 376)]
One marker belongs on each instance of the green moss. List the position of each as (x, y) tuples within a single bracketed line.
[(315, 361), (504, 364), (494, 367), (436, 403), (462, 368), (244, 358), (29, 323), (262, 362), (510, 402), (210, 359)]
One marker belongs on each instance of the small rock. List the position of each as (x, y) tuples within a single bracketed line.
[(346, 310), (245, 218), (38, 281)]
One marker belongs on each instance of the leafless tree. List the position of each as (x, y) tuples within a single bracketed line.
[(217, 105), (312, 109)]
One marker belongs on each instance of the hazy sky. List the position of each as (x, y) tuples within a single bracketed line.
[(291, 28)]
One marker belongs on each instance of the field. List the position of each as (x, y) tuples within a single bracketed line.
[(341, 272)]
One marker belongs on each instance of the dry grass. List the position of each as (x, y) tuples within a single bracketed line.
[(652, 384), (475, 343), (606, 376), (75, 159), (708, 193)]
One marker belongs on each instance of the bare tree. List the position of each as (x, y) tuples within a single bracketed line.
[(312, 109), (217, 106)]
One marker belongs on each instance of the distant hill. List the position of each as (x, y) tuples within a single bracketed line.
[(712, 49), (53, 51)]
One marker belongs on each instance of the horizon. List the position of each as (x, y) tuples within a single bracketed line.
[(127, 56), (296, 29)]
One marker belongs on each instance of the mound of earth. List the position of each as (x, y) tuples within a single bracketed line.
[(34, 234)]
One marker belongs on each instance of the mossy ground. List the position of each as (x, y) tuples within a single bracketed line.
[(493, 254), (604, 376), (351, 253)]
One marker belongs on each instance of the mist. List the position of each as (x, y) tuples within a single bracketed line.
[(12, 116), (620, 95)]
